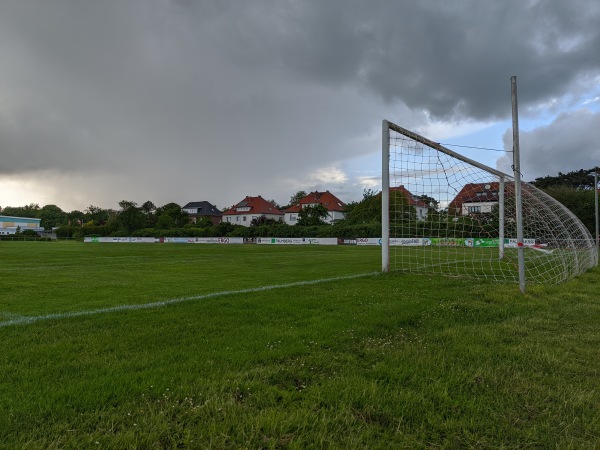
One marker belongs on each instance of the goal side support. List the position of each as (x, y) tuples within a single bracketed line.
[(385, 196)]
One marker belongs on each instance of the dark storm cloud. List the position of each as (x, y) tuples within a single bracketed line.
[(222, 99), (452, 59)]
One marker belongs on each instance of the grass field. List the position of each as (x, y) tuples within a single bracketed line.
[(208, 346)]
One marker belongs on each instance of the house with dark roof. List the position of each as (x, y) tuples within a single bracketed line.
[(475, 198), (420, 206), (251, 208), (199, 210), (334, 206)]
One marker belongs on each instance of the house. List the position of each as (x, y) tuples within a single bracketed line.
[(421, 208), (251, 208), (10, 224), (335, 207), (475, 198), (199, 210)]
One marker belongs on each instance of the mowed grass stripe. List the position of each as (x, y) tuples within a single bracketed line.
[(25, 320), (66, 277)]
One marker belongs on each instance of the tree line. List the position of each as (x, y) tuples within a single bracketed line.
[(575, 190)]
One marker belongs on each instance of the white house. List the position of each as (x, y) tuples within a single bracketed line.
[(249, 209), (334, 206), (476, 198)]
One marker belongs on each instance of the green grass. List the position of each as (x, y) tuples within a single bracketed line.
[(381, 361)]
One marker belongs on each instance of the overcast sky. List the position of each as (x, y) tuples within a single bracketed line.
[(184, 100)]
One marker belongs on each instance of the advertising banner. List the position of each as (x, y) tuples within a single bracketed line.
[(482, 242), (145, 240), (368, 241), (512, 243), (410, 242), (396, 242), (448, 242), (297, 241), (204, 240)]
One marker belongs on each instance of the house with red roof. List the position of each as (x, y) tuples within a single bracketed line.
[(251, 208), (475, 198), (335, 207), (420, 206)]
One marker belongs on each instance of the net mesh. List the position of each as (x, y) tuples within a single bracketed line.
[(451, 217)]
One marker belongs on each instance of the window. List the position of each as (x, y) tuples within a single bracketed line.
[(244, 219), (474, 209), (293, 217), (228, 219)]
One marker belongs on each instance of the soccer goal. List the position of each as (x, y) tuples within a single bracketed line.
[(446, 214)]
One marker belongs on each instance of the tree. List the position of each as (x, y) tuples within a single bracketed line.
[(274, 203), (148, 207), (97, 215), (431, 202), (174, 211), (165, 222), (31, 210), (204, 222), (262, 220), (75, 217), (52, 216), (312, 215), (295, 199), (124, 204), (368, 210), (578, 179), (575, 190), (131, 218)]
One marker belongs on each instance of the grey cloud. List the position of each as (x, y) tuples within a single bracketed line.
[(569, 143), (200, 98)]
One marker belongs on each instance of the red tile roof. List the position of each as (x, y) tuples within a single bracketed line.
[(257, 205), (413, 200), (327, 199), (475, 193)]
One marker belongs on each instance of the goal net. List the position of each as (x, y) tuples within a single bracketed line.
[(451, 215)]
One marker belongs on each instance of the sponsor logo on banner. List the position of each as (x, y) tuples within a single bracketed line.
[(448, 242), (147, 240), (368, 241), (297, 241), (512, 243), (205, 240), (410, 242), (483, 242)]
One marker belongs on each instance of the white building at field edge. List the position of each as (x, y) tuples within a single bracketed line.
[(11, 224)]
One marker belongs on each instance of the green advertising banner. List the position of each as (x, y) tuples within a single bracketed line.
[(484, 242), (448, 242)]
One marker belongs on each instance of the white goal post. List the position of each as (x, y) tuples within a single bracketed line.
[(444, 213)]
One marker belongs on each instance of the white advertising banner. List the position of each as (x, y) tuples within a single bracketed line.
[(144, 240), (204, 240), (297, 241), (410, 242), (397, 242), (368, 241), (512, 243)]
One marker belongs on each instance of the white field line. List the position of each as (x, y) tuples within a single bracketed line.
[(26, 320)]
